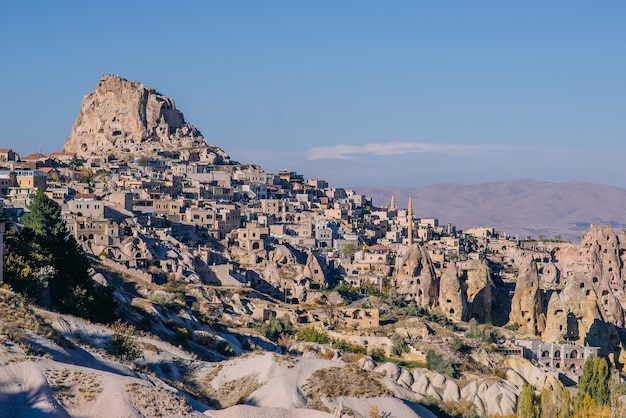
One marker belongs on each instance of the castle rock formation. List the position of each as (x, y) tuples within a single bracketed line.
[(125, 118)]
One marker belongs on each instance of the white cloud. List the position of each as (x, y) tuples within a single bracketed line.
[(344, 151)]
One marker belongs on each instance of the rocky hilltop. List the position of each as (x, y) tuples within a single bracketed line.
[(125, 118)]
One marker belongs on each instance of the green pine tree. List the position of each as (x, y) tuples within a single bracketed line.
[(46, 263)]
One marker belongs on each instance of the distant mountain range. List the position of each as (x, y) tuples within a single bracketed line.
[(515, 207)]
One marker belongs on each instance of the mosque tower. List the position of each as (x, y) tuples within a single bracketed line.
[(409, 217)]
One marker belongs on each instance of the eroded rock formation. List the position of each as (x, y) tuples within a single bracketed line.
[(417, 278), (479, 294), (123, 117), (526, 306), (452, 299)]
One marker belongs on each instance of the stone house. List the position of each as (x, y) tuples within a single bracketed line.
[(86, 205), (557, 356), (95, 233), (204, 216), (355, 318), (7, 180), (271, 207), (251, 238), (7, 154), (30, 179), (171, 208), (374, 254), (254, 175), (63, 157), (228, 217), (38, 160)]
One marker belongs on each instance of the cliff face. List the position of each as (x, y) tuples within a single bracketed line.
[(123, 117)]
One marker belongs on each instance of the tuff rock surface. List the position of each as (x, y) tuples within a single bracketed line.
[(417, 278), (452, 300), (123, 118), (527, 306)]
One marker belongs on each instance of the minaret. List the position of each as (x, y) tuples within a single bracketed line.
[(409, 217), (1, 251), (393, 203)]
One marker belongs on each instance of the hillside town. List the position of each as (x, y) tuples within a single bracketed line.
[(149, 200)]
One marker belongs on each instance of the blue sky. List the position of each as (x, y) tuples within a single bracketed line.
[(399, 93)]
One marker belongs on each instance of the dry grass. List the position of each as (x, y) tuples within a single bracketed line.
[(155, 402), (18, 318), (326, 354), (76, 387), (349, 380), (351, 357), (230, 393)]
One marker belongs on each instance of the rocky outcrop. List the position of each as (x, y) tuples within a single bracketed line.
[(607, 270), (523, 371), (452, 299), (479, 294), (285, 272), (314, 270), (416, 277), (126, 118), (575, 314), (489, 395), (281, 254), (526, 306)]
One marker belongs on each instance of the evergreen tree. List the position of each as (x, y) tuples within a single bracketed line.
[(44, 262)]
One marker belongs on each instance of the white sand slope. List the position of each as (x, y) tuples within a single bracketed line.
[(239, 411), (45, 375)]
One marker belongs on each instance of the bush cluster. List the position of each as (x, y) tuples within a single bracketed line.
[(124, 347), (313, 335), (438, 363)]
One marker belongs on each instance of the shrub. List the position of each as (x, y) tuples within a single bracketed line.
[(437, 363), (398, 345), (164, 299), (312, 334), (273, 327), (512, 327), (224, 349), (181, 336), (124, 347), (377, 354), (349, 347), (486, 333), (284, 340), (456, 344)]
